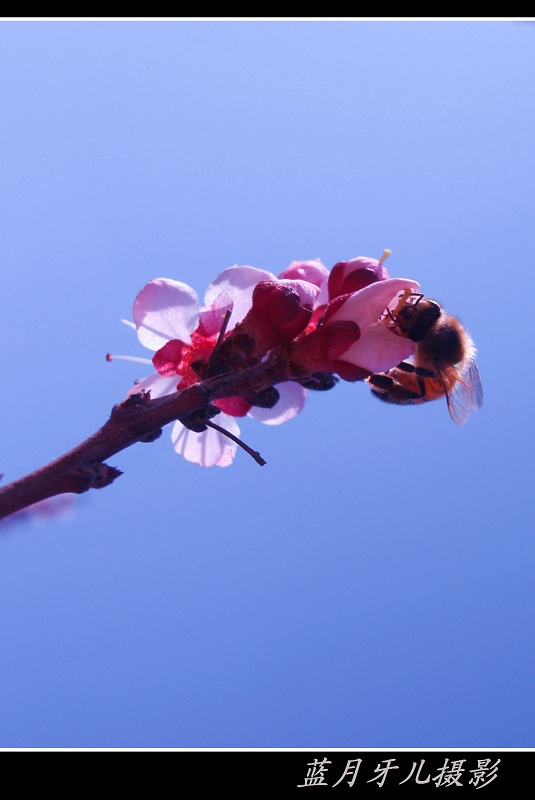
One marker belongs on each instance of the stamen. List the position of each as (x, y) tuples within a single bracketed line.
[(385, 255), (402, 302), (109, 357), (130, 324)]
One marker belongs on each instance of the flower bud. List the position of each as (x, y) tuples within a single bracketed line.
[(277, 315), (347, 277)]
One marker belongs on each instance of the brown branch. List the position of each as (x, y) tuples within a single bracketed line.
[(137, 419)]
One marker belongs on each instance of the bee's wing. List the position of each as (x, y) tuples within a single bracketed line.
[(467, 393)]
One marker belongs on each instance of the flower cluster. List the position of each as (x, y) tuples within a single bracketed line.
[(310, 324)]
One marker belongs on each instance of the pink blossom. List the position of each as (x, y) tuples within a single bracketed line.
[(352, 339), (313, 324), (169, 319), (58, 506)]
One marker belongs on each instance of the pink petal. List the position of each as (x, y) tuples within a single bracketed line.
[(367, 305), (312, 271), (239, 283), (292, 400), (164, 310), (209, 448), (378, 349)]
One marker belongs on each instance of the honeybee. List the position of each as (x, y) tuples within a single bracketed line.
[(443, 365)]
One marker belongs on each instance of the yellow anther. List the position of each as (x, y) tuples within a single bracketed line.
[(385, 255), (389, 317)]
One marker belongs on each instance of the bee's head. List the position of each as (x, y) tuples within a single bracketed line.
[(417, 319)]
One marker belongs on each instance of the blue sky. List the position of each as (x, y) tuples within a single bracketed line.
[(372, 586)]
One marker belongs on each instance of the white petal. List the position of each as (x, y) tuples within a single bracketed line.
[(158, 386), (292, 400), (165, 310), (367, 305), (239, 283), (209, 448), (211, 317)]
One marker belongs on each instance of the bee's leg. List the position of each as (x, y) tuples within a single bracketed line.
[(391, 391), (381, 381), (406, 366), (397, 394)]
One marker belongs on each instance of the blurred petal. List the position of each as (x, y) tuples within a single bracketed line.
[(156, 385), (238, 282), (292, 400), (164, 310), (307, 291), (207, 449), (313, 272)]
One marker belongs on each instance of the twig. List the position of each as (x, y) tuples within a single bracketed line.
[(137, 419), (254, 453)]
